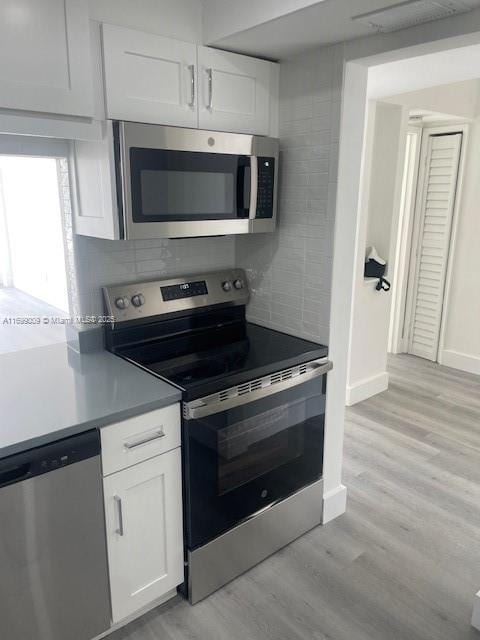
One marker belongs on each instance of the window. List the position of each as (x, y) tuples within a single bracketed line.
[(36, 254)]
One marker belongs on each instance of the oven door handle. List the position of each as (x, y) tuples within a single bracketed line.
[(261, 388)]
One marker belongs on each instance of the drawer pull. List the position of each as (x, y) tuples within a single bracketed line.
[(137, 443)]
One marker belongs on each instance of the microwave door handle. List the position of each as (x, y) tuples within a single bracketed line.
[(253, 187), (243, 195)]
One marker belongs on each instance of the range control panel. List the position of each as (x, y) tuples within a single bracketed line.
[(136, 301), (184, 290)]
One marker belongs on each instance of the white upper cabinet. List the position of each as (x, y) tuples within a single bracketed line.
[(96, 210), (234, 92), (149, 78), (157, 80), (45, 53)]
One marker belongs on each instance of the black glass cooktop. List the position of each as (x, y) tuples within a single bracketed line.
[(215, 358)]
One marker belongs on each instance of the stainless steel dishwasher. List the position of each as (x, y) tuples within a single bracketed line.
[(53, 563)]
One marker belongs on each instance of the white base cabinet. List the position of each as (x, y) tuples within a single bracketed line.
[(144, 528)]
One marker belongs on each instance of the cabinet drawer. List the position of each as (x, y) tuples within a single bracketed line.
[(136, 439)]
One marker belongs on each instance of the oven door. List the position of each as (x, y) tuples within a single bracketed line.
[(183, 182), (265, 445)]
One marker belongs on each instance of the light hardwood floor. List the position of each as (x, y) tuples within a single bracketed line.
[(402, 564)]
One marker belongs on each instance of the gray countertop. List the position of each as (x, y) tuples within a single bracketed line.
[(52, 392)]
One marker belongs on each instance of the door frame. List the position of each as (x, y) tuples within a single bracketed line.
[(428, 131), (403, 244)]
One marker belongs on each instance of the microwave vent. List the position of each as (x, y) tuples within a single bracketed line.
[(411, 13)]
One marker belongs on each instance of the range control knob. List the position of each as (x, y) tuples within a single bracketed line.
[(122, 302), (227, 286), (138, 299), (238, 284)]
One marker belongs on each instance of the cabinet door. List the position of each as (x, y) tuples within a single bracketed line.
[(143, 507), (149, 78), (234, 92), (45, 48), (96, 211)]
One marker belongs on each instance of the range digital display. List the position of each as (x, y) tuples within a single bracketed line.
[(184, 290)]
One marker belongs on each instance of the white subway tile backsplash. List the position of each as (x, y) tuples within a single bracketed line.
[(290, 271), (105, 262)]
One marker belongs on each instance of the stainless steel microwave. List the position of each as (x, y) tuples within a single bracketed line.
[(176, 183)]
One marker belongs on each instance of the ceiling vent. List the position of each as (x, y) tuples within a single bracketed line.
[(411, 13)]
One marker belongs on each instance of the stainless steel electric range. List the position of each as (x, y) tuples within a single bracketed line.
[(253, 417)]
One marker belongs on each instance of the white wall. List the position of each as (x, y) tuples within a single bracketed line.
[(458, 99), (461, 348), (379, 213), (180, 19), (385, 170)]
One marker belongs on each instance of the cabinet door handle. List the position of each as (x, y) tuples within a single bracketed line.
[(210, 88), (118, 502), (192, 85), (137, 443)]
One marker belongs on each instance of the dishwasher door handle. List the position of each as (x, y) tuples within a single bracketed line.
[(118, 502), (13, 474)]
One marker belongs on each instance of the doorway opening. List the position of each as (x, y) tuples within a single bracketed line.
[(361, 315), (35, 244)]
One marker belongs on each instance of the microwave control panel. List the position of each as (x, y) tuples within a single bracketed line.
[(266, 181)]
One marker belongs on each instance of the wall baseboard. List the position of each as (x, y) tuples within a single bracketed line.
[(366, 388), (334, 504), (476, 612), (462, 361)]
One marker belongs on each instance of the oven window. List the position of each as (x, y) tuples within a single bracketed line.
[(180, 185), (255, 446), (241, 460)]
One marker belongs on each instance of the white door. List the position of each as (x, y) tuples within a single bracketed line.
[(149, 78), (143, 507), (45, 53), (431, 240), (234, 92)]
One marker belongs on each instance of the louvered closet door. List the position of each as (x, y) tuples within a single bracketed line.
[(433, 231)]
